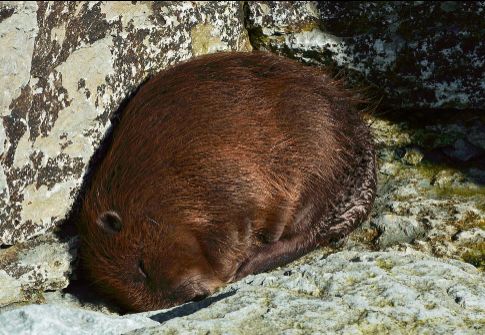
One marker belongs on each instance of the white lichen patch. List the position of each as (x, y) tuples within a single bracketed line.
[(11, 289), (127, 12), (44, 205), (59, 33), (316, 40)]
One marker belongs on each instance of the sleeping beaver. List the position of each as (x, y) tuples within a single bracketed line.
[(223, 166)]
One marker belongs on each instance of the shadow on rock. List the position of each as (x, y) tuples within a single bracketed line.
[(190, 307), (67, 230), (440, 139)]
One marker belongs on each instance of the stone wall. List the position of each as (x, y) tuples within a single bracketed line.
[(68, 66)]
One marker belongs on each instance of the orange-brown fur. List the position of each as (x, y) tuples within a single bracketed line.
[(225, 165)]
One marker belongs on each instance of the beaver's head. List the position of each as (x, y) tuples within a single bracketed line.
[(143, 264)]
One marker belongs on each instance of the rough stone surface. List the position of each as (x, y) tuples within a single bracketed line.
[(60, 319), (435, 205), (28, 269), (422, 53), (395, 229), (435, 208), (344, 293), (65, 68)]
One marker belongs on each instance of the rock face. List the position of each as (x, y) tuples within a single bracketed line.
[(422, 54), (58, 319), (436, 203), (66, 67), (345, 293), (27, 269)]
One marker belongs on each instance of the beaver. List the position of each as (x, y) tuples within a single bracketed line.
[(225, 165)]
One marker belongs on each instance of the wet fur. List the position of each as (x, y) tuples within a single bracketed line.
[(223, 166)]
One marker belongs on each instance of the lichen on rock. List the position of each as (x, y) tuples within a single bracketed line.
[(67, 67), (418, 54), (30, 268), (436, 204)]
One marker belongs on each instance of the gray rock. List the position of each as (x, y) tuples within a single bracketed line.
[(398, 229), (348, 293), (447, 178), (413, 156), (345, 293), (27, 269), (434, 208), (463, 151), (60, 319), (478, 175), (65, 69), (476, 135), (420, 54)]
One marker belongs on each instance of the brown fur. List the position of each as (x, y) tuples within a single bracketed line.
[(226, 165)]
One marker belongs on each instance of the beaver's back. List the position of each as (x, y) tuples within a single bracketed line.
[(247, 152), (228, 128)]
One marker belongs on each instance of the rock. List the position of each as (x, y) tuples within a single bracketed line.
[(398, 229), (27, 269), (60, 319), (476, 135), (344, 293), (475, 235), (66, 68), (478, 175), (420, 54), (447, 178), (463, 151), (433, 207), (388, 169), (413, 156)]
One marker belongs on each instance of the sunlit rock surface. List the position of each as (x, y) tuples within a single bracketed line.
[(344, 293), (418, 54)]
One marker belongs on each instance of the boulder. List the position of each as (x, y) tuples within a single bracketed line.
[(417, 54), (27, 269), (344, 293)]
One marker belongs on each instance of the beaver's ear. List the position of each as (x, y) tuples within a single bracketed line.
[(110, 222)]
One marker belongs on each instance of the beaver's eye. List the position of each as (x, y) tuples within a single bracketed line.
[(141, 269), (110, 222)]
